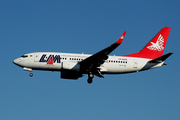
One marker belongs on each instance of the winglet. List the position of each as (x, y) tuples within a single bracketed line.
[(121, 38)]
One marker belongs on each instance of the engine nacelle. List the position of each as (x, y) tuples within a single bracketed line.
[(71, 66), (70, 75)]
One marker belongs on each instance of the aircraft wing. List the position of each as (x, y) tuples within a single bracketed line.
[(91, 63)]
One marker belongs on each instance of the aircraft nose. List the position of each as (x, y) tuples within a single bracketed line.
[(16, 61)]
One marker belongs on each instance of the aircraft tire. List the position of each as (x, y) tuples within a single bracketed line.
[(90, 80), (30, 74), (90, 75)]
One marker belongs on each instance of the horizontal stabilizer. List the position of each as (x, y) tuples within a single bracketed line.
[(160, 59)]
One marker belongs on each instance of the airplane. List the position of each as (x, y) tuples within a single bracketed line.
[(74, 66)]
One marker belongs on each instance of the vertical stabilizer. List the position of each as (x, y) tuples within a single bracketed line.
[(155, 47)]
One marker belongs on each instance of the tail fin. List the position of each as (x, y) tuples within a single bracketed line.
[(155, 47)]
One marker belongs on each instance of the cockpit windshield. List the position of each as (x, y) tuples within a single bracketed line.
[(24, 56)]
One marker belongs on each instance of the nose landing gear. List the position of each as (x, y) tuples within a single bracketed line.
[(28, 69), (31, 74)]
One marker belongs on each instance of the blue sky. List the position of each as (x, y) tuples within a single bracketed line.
[(87, 26)]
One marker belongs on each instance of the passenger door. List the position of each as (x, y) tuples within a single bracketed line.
[(135, 63), (36, 57)]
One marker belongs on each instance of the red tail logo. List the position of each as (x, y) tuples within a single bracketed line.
[(155, 47), (158, 45)]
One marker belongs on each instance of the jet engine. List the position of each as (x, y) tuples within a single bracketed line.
[(70, 75)]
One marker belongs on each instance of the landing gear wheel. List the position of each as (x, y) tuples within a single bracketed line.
[(30, 74), (90, 80), (91, 75)]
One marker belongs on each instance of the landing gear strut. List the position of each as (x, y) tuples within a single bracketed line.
[(90, 78), (30, 70)]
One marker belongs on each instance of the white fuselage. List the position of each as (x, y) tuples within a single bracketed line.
[(73, 66), (113, 65)]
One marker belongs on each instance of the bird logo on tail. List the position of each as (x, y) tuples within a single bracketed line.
[(158, 45)]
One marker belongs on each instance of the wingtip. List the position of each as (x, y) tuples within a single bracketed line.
[(121, 38)]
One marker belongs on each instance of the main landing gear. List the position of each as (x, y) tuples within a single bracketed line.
[(91, 75), (90, 78)]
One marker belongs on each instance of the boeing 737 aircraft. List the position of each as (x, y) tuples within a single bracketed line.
[(73, 66)]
